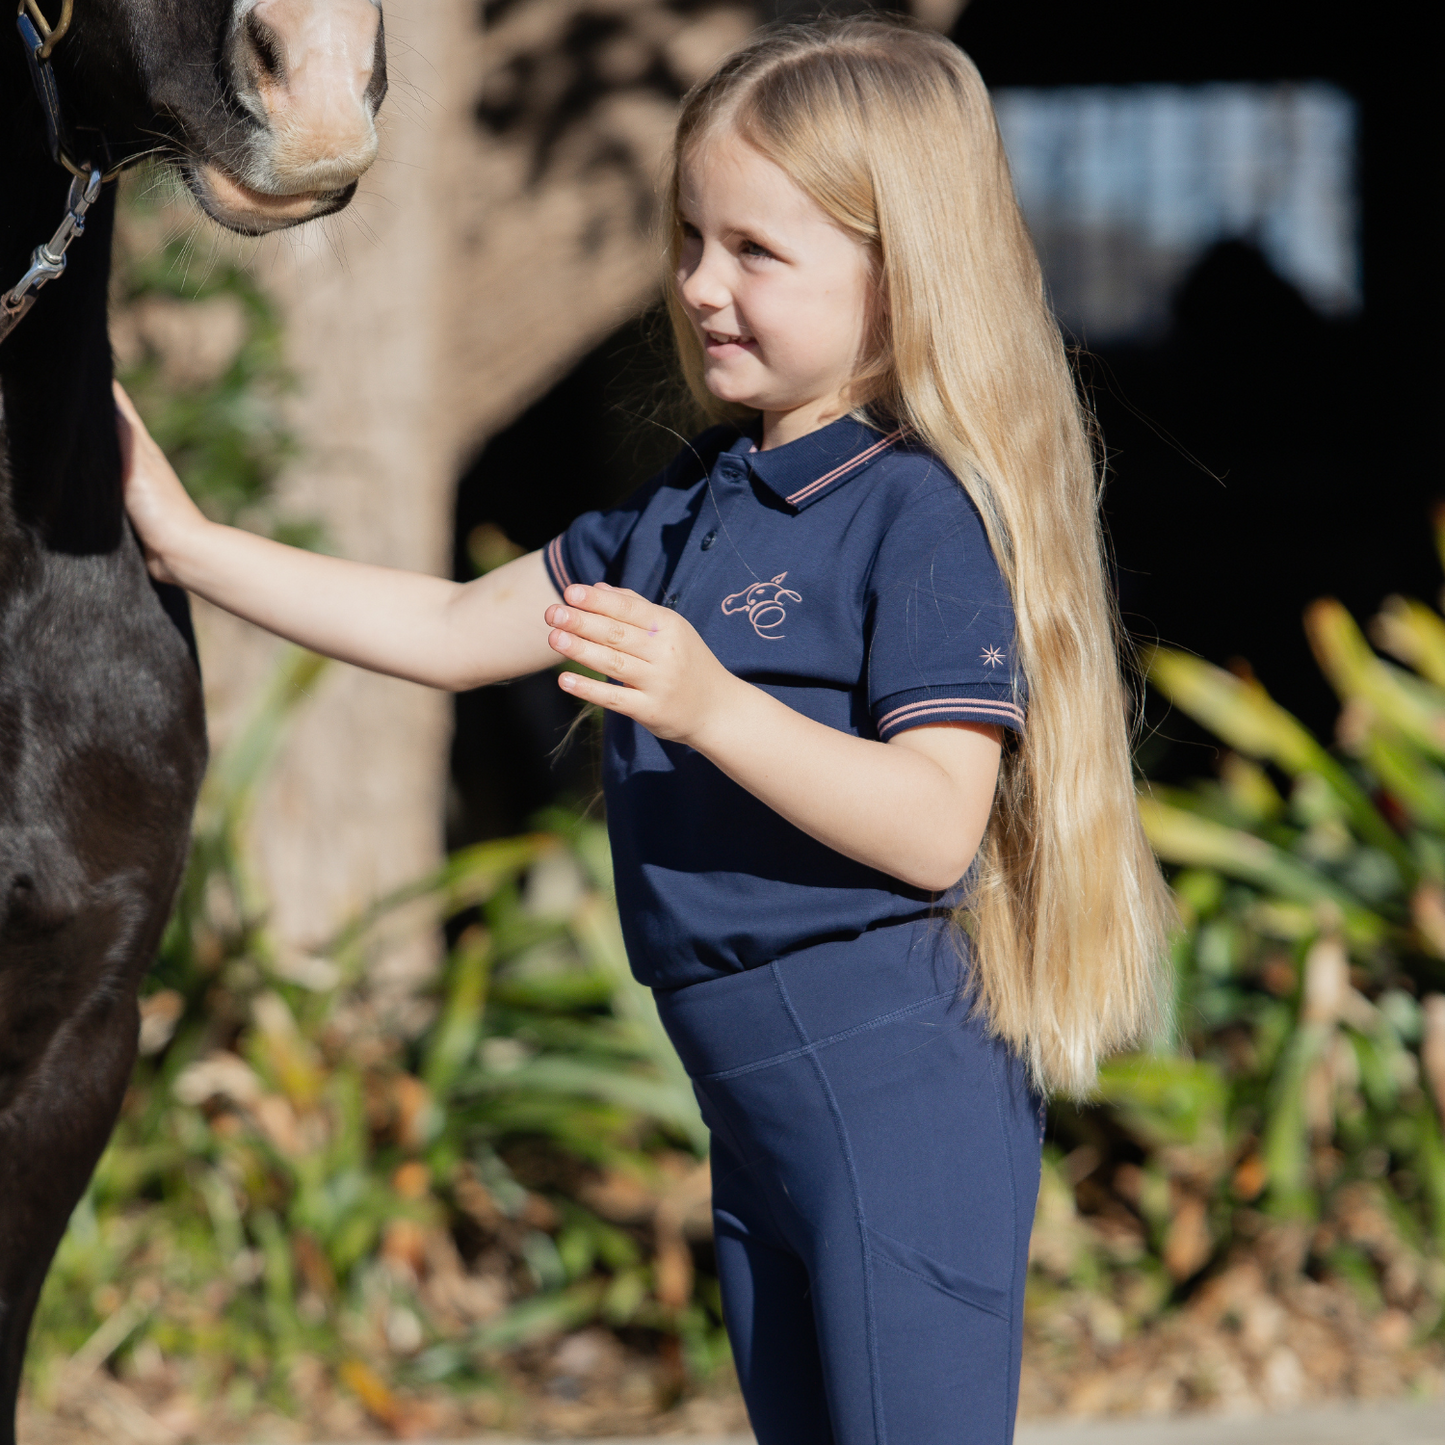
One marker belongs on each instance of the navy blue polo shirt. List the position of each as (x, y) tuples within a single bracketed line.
[(847, 574)]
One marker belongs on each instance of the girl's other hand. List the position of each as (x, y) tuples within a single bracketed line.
[(670, 680), (160, 508)]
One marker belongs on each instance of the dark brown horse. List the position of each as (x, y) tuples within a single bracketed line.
[(267, 108)]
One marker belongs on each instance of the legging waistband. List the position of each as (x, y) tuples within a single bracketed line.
[(811, 996)]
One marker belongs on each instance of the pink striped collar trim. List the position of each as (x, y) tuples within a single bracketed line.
[(813, 488)]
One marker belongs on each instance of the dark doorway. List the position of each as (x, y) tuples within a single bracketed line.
[(1265, 446)]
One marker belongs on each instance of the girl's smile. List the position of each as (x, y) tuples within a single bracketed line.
[(778, 293), (719, 344)]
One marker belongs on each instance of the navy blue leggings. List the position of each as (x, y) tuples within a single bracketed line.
[(875, 1163)]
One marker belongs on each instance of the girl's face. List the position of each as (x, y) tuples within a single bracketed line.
[(778, 293)]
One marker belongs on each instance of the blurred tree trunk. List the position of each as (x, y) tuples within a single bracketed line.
[(463, 281), (354, 804)]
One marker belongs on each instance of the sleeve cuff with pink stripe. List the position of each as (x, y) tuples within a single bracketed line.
[(556, 559), (965, 702)]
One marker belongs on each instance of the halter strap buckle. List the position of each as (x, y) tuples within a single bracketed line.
[(51, 35)]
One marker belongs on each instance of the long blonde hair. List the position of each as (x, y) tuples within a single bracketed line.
[(889, 129)]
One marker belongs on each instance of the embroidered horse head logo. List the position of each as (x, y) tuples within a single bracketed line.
[(765, 604)]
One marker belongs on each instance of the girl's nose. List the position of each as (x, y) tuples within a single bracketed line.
[(704, 288)]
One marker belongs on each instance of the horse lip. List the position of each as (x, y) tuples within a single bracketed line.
[(232, 203)]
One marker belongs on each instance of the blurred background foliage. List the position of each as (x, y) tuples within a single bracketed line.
[(199, 346), (1297, 1126)]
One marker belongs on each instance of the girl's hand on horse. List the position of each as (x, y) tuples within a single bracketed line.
[(159, 506), (670, 682)]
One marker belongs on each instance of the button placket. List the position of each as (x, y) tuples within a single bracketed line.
[(681, 578), (729, 483)]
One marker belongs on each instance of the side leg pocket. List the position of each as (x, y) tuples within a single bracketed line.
[(945, 1342)]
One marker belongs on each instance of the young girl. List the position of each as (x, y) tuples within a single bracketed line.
[(859, 647)]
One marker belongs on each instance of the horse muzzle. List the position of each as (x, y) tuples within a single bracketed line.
[(311, 75), (239, 207)]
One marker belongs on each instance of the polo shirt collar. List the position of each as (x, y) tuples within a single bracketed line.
[(815, 465)]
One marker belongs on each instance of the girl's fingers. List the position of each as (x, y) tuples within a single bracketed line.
[(625, 700), (132, 429), (595, 627), (125, 406), (620, 603), (137, 447), (610, 661)]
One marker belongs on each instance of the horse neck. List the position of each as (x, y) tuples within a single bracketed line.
[(57, 429)]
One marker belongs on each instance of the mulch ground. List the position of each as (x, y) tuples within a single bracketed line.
[(1237, 1346)]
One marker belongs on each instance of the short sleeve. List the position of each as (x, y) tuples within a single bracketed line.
[(591, 549), (586, 551), (941, 644)]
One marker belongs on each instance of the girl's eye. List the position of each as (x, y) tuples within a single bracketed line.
[(690, 231), (751, 248)]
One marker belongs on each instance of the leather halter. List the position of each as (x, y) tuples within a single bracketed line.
[(47, 262), (40, 38)]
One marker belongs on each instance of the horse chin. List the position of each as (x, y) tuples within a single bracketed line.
[(236, 206)]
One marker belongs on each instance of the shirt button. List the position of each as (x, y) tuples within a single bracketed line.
[(709, 540), (670, 600)]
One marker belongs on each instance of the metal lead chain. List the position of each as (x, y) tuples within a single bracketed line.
[(48, 261)]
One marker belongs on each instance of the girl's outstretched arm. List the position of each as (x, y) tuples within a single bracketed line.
[(915, 807), (425, 629)]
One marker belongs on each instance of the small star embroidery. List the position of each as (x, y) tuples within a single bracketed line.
[(993, 656)]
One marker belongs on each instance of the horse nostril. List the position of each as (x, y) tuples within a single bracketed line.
[(264, 49), (22, 883), (303, 70)]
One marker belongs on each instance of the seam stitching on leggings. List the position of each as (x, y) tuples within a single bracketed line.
[(792, 1054), (1013, 1190), (762, 1194), (880, 1429), (745, 1163), (1004, 1315)]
